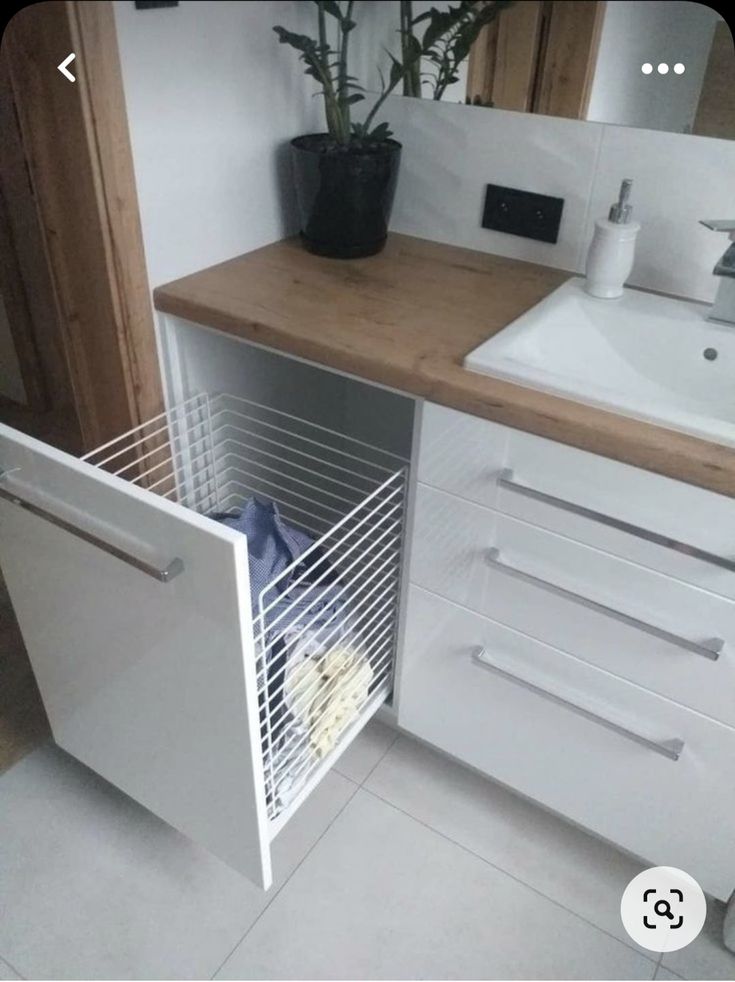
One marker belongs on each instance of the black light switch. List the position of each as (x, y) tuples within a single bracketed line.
[(534, 216)]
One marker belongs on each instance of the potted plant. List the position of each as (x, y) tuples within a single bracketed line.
[(346, 178)]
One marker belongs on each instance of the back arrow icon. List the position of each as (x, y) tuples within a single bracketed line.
[(64, 70)]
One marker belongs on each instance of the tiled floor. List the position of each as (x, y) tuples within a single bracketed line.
[(403, 865)]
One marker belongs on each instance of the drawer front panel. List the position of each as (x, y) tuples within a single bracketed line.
[(580, 741), (658, 632), (150, 684), (470, 457)]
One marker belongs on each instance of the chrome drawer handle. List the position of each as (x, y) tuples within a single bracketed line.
[(667, 748), (709, 648), (164, 575), (507, 481)]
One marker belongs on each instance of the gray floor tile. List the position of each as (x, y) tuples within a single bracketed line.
[(92, 886), (6, 972), (360, 758), (563, 862), (382, 896), (706, 957), (665, 975)]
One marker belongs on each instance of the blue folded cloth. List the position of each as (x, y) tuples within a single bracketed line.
[(272, 544), (310, 595)]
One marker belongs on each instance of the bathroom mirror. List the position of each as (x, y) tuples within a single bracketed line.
[(659, 64)]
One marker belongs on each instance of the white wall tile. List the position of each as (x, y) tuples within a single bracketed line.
[(450, 152), (676, 181)]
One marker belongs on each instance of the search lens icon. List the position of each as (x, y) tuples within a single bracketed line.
[(663, 909)]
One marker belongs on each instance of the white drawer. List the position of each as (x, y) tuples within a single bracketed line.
[(450, 551), (468, 456), (153, 664), (576, 739)]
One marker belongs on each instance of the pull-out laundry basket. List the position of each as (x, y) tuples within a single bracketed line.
[(169, 660)]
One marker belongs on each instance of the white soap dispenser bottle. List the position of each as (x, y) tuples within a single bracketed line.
[(610, 257)]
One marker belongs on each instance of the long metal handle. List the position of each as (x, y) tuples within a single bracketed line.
[(507, 481), (164, 575), (709, 648), (719, 224), (667, 748)]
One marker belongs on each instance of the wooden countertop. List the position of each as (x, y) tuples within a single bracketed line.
[(406, 318)]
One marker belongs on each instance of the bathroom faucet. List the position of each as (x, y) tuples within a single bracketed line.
[(723, 309)]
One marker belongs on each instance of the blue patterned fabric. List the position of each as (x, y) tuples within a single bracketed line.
[(273, 545)]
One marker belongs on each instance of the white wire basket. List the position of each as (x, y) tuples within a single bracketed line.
[(325, 625)]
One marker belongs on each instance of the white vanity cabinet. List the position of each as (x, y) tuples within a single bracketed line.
[(157, 667), (571, 633), (569, 627)]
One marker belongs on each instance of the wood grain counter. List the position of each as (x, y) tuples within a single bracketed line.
[(406, 318)]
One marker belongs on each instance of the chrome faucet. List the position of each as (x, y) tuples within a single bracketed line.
[(723, 309)]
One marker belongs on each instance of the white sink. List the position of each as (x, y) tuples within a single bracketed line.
[(642, 355)]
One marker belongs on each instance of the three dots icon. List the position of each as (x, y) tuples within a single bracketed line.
[(662, 68)]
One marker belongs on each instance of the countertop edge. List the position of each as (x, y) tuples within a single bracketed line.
[(685, 458)]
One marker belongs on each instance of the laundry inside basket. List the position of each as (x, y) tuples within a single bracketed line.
[(317, 680)]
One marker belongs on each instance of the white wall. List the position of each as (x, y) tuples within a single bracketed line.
[(212, 100), (11, 381), (636, 32), (451, 152)]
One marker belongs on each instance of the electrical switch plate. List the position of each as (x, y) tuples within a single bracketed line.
[(525, 213)]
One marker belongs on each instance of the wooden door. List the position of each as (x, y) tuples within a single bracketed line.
[(538, 56), (504, 60)]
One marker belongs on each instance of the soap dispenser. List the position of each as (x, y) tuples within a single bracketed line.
[(610, 257)]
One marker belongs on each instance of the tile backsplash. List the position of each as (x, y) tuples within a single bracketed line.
[(450, 152)]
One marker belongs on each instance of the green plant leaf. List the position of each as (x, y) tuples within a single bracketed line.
[(396, 71), (413, 46), (299, 41), (330, 7), (379, 133), (439, 24)]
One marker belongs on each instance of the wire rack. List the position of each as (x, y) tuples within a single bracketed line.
[(325, 626)]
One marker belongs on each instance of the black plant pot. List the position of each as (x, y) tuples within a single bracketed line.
[(345, 194)]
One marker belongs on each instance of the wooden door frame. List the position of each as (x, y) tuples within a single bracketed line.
[(17, 306), (25, 278), (77, 147)]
